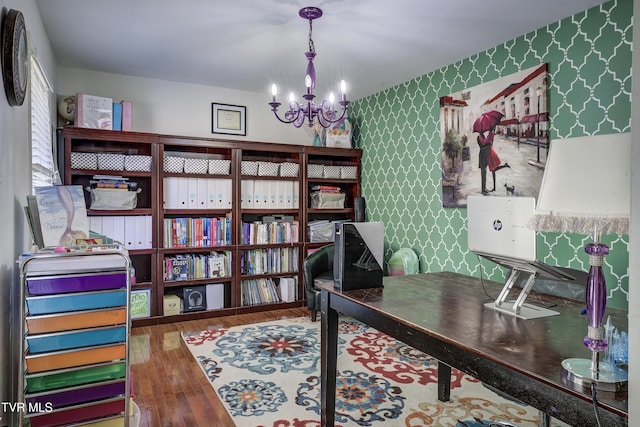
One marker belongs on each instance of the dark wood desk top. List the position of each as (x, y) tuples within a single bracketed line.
[(450, 307)]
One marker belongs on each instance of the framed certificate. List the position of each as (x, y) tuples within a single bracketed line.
[(229, 119)]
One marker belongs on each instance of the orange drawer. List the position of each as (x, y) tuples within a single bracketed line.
[(79, 320), (67, 359)]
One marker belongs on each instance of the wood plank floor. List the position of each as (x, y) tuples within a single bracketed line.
[(169, 386)]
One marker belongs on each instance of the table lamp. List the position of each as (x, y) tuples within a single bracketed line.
[(586, 189)]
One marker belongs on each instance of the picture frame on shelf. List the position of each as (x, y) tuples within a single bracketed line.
[(140, 305), (228, 119)]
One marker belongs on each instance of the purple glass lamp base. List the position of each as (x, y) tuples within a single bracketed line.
[(584, 372)]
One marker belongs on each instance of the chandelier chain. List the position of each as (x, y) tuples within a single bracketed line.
[(312, 48)]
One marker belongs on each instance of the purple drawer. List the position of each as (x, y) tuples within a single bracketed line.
[(65, 284), (77, 395)]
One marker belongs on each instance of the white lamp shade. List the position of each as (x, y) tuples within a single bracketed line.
[(586, 186)]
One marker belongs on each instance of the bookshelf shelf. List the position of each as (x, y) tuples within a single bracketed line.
[(230, 163)]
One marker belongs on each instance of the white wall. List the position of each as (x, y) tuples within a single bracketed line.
[(634, 233), (15, 181), (166, 107)]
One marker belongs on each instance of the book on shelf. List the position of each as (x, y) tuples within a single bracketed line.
[(127, 115), (117, 116), (63, 214), (94, 112), (326, 188)]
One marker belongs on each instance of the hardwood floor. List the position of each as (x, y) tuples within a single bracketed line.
[(168, 384)]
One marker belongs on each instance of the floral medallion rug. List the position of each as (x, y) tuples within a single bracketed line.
[(268, 374)]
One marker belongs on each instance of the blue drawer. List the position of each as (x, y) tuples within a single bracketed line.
[(75, 302), (76, 339), (48, 285)]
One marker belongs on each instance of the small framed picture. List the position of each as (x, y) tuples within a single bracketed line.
[(140, 305), (229, 119)]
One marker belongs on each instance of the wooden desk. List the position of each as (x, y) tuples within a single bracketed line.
[(442, 314)]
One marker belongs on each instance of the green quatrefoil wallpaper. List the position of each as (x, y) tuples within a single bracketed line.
[(589, 58)]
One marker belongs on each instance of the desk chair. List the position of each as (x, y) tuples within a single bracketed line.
[(317, 266)]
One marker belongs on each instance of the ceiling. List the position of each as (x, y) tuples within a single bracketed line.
[(249, 44)]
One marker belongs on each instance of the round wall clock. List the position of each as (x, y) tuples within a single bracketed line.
[(14, 57)]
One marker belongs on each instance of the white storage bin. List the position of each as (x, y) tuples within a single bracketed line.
[(331, 172), (289, 169), (113, 199), (173, 164), (111, 161), (84, 160), (249, 168), (315, 171), (319, 200), (348, 172), (196, 166), (219, 167), (267, 169), (137, 163)]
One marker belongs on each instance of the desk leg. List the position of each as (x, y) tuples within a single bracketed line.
[(328, 361), (444, 382)]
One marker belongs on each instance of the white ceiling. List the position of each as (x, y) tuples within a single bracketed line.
[(249, 44)]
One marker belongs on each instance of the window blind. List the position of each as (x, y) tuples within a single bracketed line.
[(43, 169)]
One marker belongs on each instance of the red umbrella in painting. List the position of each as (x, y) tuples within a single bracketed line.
[(487, 121)]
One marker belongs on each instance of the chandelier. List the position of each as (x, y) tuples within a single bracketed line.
[(325, 111)]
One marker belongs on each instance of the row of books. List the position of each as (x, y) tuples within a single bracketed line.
[(326, 188), (196, 232), (197, 266), (100, 112), (259, 232), (269, 261), (258, 291)]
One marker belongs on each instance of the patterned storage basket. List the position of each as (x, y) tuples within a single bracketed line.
[(196, 166), (173, 164), (137, 163), (331, 172), (289, 169), (348, 172), (113, 199), (267, 169), (219, 167), (84, 160), (111, 161), (249, 168), (315, 171)]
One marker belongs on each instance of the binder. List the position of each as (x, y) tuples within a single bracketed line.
[(288, 194), (203, 193), (227, 186), (192, 188), (257, 200), (171, 192), (140, 233), (183, 193), (211, 194), (118, 229), (220, 198), (273, 194), (107, 226), (95, 224), (148, 232), (282, 194), (246, 193), (130, 232), (296, 195)]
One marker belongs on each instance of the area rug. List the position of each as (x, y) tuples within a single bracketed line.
[(268, 375)]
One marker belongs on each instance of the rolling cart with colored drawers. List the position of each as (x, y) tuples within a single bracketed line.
[(71, 335)]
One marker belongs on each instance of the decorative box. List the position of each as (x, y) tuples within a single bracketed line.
[(319, 200), (173, 164), (195, 298), (196, 166), (331, 172), (267, 169), (111, 161), (137, 163), (289, 169), (113, 199), (171, 304), (249, 168), (84, 160), (348, 172), (219, 167), (315, 171)]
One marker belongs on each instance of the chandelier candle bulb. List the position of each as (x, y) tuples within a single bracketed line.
[(274, 92)]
